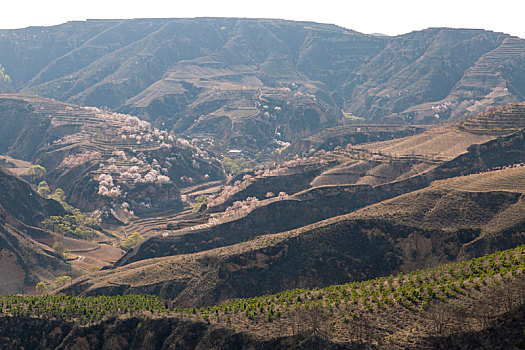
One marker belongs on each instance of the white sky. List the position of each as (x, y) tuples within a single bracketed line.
[(390, 17)]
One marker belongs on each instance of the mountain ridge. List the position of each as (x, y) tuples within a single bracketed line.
[(288, 79)]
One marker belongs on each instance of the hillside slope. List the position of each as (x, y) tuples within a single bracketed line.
[(103, 159), (25, 261), (452, 219), (348, 188), (478, 303)]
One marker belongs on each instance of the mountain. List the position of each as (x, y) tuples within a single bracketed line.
[(255, 83)]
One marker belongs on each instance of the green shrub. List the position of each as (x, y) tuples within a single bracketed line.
[(131, 241), (36, 173)]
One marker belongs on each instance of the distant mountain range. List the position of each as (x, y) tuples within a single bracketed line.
[(255, 83)]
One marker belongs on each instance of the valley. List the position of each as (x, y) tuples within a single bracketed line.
[(257, 183)]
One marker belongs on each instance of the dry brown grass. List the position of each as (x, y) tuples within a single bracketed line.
[(20, 166), (512, 180), (487, 201), (444, 143)]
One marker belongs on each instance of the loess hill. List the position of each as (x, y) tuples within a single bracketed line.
[(436, 217), (388, 155), (349, 180), (424, 228), (114, 163)]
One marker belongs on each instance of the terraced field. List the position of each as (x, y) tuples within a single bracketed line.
[(485, 72), (344, 306), (377, 170), (159, 223), (511, 179), (502, 120), (80, 146), (430, 144)]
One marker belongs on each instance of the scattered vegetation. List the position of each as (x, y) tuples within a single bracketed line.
[(3, 75), (60, 197), (350, 116), (428, 294), (75, 225), (235, 166), (82, 309), (60, 248), (43, 189), (41, 288), (199, 202), (415, 291), (131, 241), (62, 280)]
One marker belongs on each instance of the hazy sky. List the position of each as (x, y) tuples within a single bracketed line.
[(368, 16)]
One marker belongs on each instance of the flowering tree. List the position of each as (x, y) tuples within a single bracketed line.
[(79, 158)]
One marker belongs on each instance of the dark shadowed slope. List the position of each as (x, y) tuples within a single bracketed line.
[(23, 260)]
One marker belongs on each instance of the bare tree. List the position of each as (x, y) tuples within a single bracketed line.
[(316, 321), (361, 328), (439, 317)]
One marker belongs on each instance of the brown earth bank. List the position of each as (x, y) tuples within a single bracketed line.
[(507, 332)]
